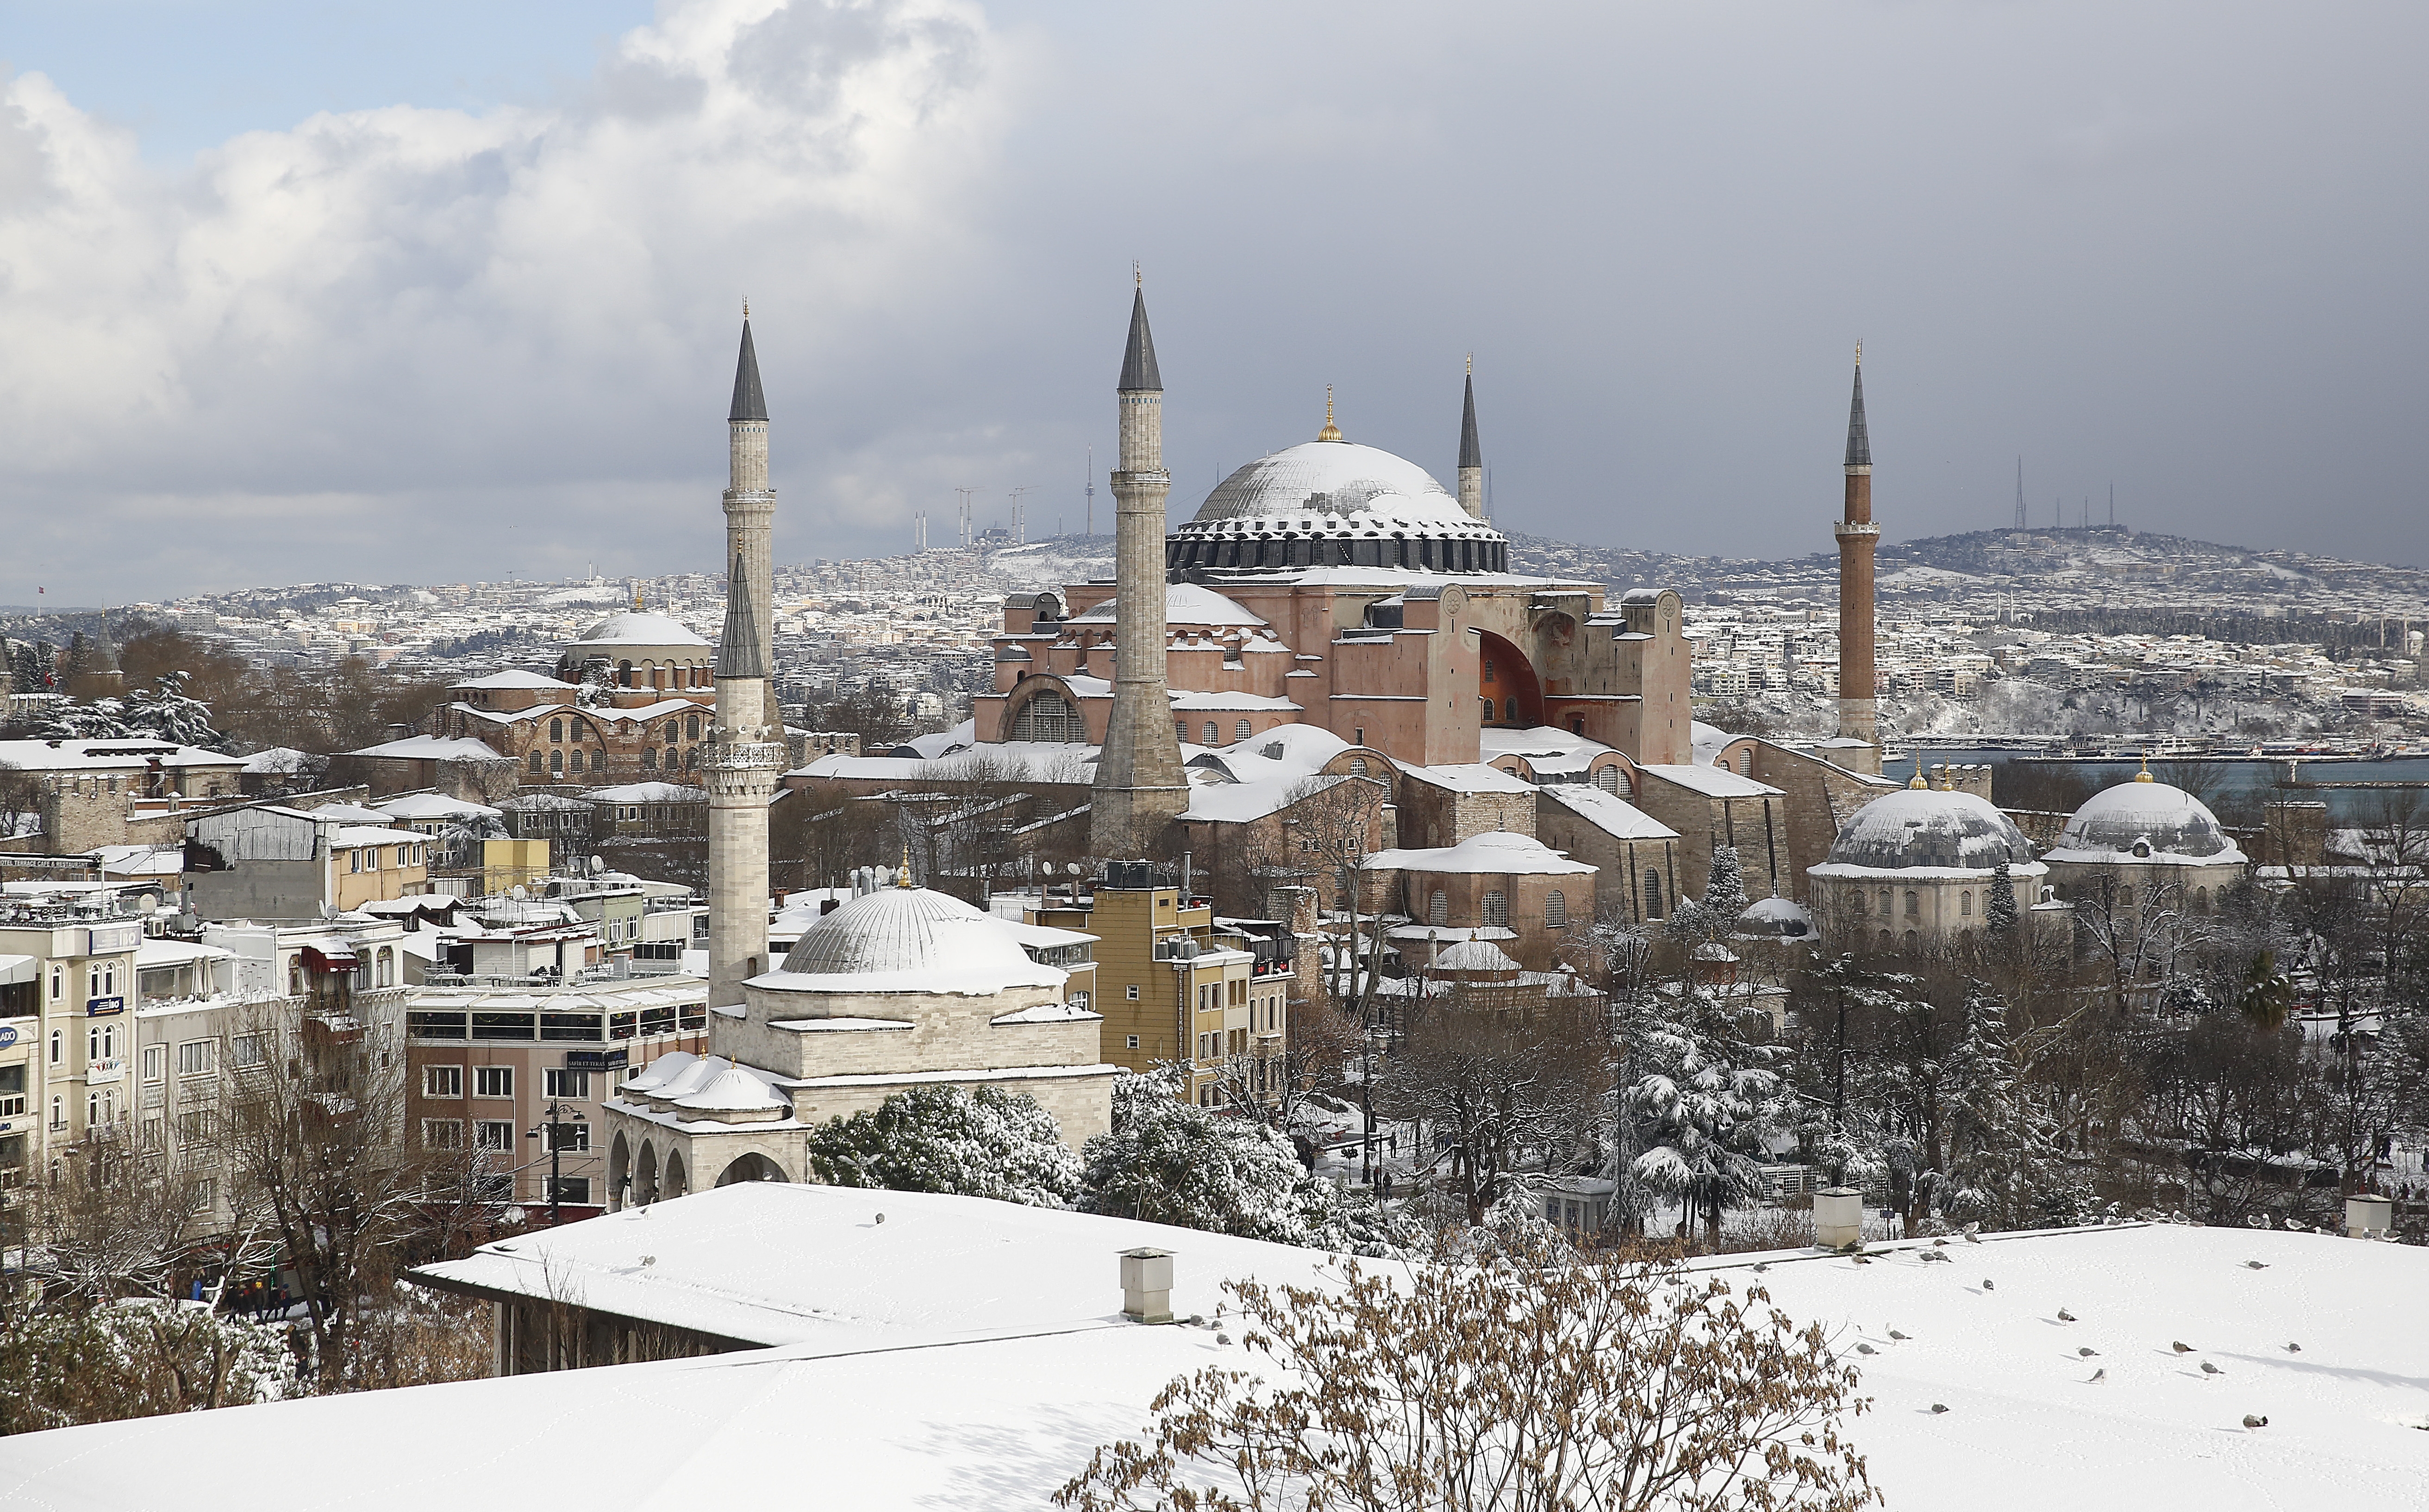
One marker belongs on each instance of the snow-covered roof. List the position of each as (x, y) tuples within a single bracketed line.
[(1027, 1369), (371, 834), (1186, 603), (1609, 812), (501, 682), (2145, 820), (1333, 488), (1473, 955), (1706, 741), (1931, 830), (1470, 776), (908, 940), (1546, 748), (432, 748), (139, 860), (640, 628), (350, 814), (1711, 782), (1188, 702), (107, 755), (932, 746), (277, 759), (436, 806), (156, 954), (1775, 918), (1494, 852), (649, 792)]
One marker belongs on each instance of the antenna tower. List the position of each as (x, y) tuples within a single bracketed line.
[(1091, 490), (962, 517), (2019, 493)]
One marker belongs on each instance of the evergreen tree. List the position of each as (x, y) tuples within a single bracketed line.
[(981, 1142), (166, 711), (1724, 892), (1703, 1110), (2003, 902)]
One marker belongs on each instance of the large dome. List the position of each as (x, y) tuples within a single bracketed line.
[(1929, 828), (2145, 820), (638, 626), (909, 939), (1335, 503)]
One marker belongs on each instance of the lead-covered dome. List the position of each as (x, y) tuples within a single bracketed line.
[(1335, 503), (1928, 830), (2145, 820), (638, 626), (909, 940)]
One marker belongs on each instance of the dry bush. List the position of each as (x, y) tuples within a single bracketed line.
[(1553, 1385)]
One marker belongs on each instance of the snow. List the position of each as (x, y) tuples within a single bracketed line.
[(1473, 955), (436, 806), (908, 940), (1186, 603), (1470, 776), (638, 627), (509, 681), (1048, 1013), (1495, 852), (649, 792), (106, 755), (840, 1025), (276, 760), (155, 953), (432, 748), (736, 1089), (2179, 828), (1609, 812), (139, 860), (967, 1354), (1928, 833), (369, 834), (1711, 782)]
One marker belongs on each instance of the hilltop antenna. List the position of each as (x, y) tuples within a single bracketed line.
[(2112, 505), (962, 515), (1091, 490), (2020, 492), (1020, 514)]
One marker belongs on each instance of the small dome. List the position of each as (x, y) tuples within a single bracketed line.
[(1775, 918), (638, 626), (1931, 829), (910, 939), (2118, 823)]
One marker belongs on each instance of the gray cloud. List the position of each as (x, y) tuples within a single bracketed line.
[(2171, 245)]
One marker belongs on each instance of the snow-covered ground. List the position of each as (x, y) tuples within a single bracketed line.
[(904, 1406)]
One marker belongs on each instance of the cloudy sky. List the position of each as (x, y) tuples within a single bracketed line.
[(301, 291)]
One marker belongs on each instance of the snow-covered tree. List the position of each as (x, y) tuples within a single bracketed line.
[(2003, 902), (1703, 1109), (101, 720), (166, 711), (68, 1363), (1724, 892), (976, 1143)]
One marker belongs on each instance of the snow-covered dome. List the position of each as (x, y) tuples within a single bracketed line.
[(638, 626), (1775, 918), (2145, 820), (1270, 513), (908, 940), (1929, 828)]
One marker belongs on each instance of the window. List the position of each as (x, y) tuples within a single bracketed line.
[(576, 765), (442, 1081), (58, 1112), (556, 762), (1965, 905), (535, 762), (1180, 729), (1496, 909), (1211, 737), (442, 1133), (650, 759), (493, 1134), (567, 1083), (1134, 991), (1437, 908), (156, 1062), (1556, 910), (569, 1188), (1241, 730), (249, 1050), (569, 1135), (13, 1091), (557, 730), (1888, 907), (101, 1042), (58, 983), (386, 970), (1859, 904), (198, 1058), (1134, 1041), (1510, 705), (1652, 895), (691, 727), (493, 1082), (671, 731), (58, 1046), (1357, 765), (202, 1192), (152, 1134), (1913, 906)]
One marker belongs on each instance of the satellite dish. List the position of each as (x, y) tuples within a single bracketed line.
[(1076, 868), (146, 905), (519, 891)]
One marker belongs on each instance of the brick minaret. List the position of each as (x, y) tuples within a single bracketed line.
[(751, 506), (741, 770), (1471, 453), (1857, 539), (1139, 786)]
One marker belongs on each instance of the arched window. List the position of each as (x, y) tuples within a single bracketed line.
[(1211, 737), (1047, 716), (386, 967), (1437, 909), (295, 978), (1607, 779), (624, 674), (1497, 910), (673, 730), (1556, 910), (556, 732), (1859, 905), (1912, 939), (577, 758), (1965, 905), (691, 727), (1652, 895), (648, 758), (2124, 894), (535, 762), (1241, 730), (1357, 765), (691, 760), (2201, 900), (1511, 706), (1888, 907), (1746, 762), (1913, 905), (556, 762)]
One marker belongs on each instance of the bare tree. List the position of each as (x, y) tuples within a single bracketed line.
[(1548, 1383), (1333, 825), (1502, 1091)]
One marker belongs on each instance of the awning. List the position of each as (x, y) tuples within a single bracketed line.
[(338, 958), (15, 969)]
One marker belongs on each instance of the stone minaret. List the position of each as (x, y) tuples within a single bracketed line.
[(743, 764), (1857, 539), (750, 508), (1139, 784), (1471, 454)]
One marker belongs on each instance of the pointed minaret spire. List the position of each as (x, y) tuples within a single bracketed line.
[(738, 649), (1138, 357), (1471, 452), (749, 402), (1859, 445)]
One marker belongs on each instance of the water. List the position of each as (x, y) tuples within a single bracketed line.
[(2239, 783)]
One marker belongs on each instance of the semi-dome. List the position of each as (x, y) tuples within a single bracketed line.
[(1331, 503), (908, 939), (2145, 820), (1929, 828), (638, 626)]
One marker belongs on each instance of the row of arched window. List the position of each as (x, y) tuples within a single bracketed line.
[(1439, 556), (1495, 910)]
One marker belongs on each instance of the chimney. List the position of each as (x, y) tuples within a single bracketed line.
[(2366, 1217), (1838, 1218), (1147, 1286)]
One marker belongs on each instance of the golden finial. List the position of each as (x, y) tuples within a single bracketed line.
[(1471, 365), (1860, 352), (1331, 431), (746, 310), (1138, 274), (1918, 782), (636, 587), (902, 878), (1947, 784), (2144, 775)]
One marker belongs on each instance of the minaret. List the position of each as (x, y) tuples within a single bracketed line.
[(1139, 786), (743, 762), (1471, 454), (1857, 539), (750, 508)]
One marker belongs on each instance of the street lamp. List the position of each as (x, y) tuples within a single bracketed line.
[(556, 1122)]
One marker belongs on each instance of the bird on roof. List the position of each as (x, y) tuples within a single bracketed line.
[(2253, 1420), (1939, 1407), (1989, 1286), (2181, 1347), (2097, 1376), (2087, 1351), (1866, 1349), (1899, 1336), (2208, 1369), (2254, 1265), (2064, 1316), (2293, 1349)]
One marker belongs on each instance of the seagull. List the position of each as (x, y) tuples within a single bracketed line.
[(2064, 1316), (1986, 1286), (1866, 1349), (2293, 1349), (1940, 1407), (1862, 1259), (2087, 1351), (2181, 1347), (2097, 1376), (1939, 1243), (1899, 1336), (1759, 1269), (2208, 1369), (1973, 1237), (2254, 1265), (2253, 1420)]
